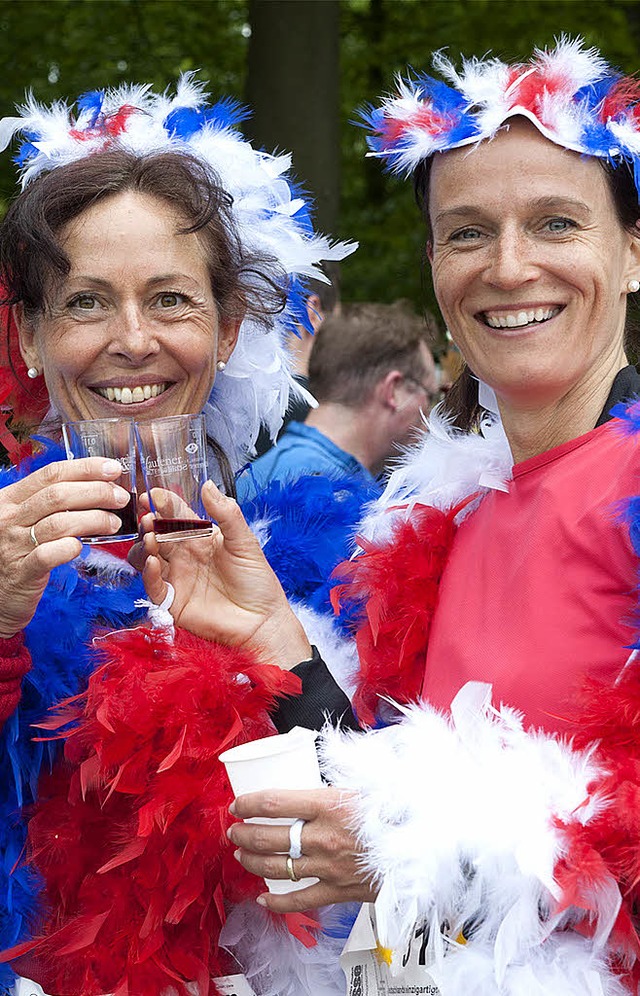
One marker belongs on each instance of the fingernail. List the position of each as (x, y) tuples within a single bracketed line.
[(261, 901), (232, 809), (121, 496), (229, 833), (236, 854), (111, 467)]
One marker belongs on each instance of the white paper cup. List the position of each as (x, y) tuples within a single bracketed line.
[(286, 761)]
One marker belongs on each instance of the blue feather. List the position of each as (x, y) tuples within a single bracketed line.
[(312, 522), (227, 113), (91, 101), (296, 313), (444, 98), (629, 415), (59, 640), (184, 122), (27, 150)]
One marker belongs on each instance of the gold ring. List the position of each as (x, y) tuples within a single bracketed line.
[(291, 872), (32, 534)]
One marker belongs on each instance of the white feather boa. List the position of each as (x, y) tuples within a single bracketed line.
[(277, 964), (456, 819), (444, 466)]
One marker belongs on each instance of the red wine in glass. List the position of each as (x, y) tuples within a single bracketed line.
[(129, 523), (129, 517), (180, 528)]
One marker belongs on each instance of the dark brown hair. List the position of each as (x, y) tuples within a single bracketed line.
[(32, 258), (461, 401), (353, 350)]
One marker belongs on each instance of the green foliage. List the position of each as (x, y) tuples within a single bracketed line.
[(63, 47), (383, 37)]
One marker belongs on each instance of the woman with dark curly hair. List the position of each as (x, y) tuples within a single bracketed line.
[(153, 265)]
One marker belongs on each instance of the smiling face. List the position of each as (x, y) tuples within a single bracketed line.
[(530, 264), (134, 326)]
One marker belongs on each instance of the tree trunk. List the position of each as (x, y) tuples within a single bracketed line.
[(293, 89)]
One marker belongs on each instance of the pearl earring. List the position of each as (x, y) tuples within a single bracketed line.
[(221, 364), (33, 372), (633, 286)]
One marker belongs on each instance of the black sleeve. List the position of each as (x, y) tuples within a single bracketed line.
[(321, 699)]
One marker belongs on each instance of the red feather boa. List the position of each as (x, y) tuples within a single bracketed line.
[(397, 584), (130, 835), (608, 847)]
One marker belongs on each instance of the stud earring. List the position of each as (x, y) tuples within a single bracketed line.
[(33, 372), (220, 365), (633, 286)]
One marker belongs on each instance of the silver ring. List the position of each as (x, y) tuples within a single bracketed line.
[(291, 872), (32, 534), (295, 838)]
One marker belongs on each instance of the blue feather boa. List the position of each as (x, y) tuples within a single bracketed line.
[(59, 641), (311, 524)]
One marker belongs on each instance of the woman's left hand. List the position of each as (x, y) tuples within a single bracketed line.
[(329, 847), (225, 590)]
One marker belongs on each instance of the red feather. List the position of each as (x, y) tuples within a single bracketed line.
[(607, 846), (130, 836), (28, 399), (397, 584), (622, 98), (424, 118)]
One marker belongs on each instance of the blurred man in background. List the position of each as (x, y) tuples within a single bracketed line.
[(372, 373)]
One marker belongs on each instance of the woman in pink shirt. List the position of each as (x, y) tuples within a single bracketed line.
[(498, 567)]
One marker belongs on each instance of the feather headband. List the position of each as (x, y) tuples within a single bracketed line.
[(271, 215), (569, 93)]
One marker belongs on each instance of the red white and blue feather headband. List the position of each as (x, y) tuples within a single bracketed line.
[(271, 214), (570, 93)]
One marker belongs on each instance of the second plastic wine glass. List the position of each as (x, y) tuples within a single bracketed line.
[(173, 456)]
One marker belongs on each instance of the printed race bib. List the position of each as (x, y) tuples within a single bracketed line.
[(234, 985), (229, 985), (367, 971)]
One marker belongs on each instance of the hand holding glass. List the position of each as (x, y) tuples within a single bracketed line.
[(115, 439), (173, 456)]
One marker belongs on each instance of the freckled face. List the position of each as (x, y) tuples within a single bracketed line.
[(133, 329), (530, 264)]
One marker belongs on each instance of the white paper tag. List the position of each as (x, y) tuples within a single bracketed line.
[(234, 985), (24, 987), (368, 974)]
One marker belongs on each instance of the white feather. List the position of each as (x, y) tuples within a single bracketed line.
[(443, 467), (564, 966), (338, 652), (578, 65), (455, 816), (278, 964), (106, 564)]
